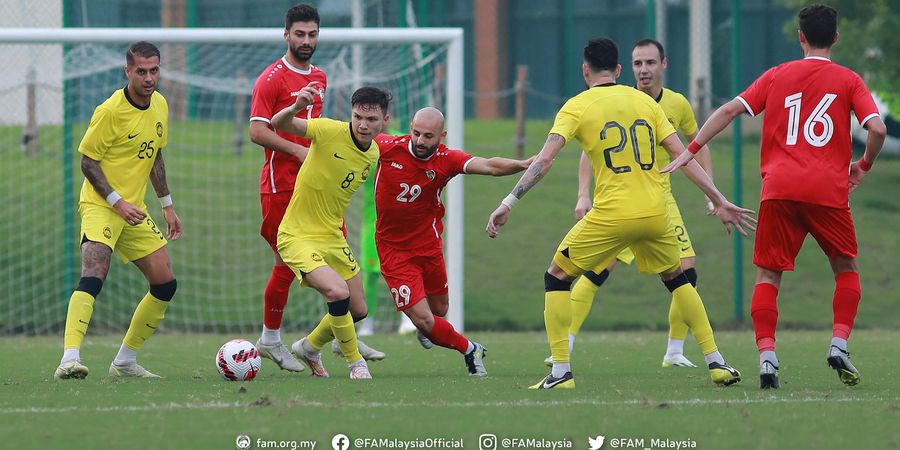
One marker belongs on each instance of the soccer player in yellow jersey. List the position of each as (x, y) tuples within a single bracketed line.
[(121, 149), (620, 129), (648, 61), (340, 159)]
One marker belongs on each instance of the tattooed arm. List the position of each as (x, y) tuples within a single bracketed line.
[(536, 171), (94, 174), (161, 186)]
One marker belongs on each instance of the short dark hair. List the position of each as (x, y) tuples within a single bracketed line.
[(300, 13), (371, 96), (143, 49), (601, 54), (819, 24), (647, 41)]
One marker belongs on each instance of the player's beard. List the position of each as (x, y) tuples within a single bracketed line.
[(428, 152), (300, 56)]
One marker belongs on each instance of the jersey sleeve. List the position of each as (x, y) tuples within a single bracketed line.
[(754, 97), (322, 128), (567, 121), (862, 102), (459, 160), (687, 123), (99, 136), (262, 103), (661, 123)]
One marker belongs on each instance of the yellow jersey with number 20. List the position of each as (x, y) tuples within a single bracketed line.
[(620, 128)]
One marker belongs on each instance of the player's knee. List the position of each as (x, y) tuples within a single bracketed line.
[(336, 292), (164, 291), (551, 283), (90, 285), (597, 278), (423, 322), (339, 308), (676, 282), (691, 275)]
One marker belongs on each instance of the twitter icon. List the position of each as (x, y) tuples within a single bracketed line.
[(597, 442)]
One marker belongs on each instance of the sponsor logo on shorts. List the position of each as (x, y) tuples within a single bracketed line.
[(107, 233), (316, 257)]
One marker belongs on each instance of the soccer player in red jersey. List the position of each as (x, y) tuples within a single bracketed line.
[(277, 88), (413, 170), (807, 176)]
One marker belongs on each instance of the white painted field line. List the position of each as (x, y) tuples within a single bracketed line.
[(496, 404)]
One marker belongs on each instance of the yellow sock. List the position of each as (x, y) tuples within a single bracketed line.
[(345, 333), (557, 318), (321, 334), (81, 306), (582, 297), (677, 328), (688, 302), (147, 316)]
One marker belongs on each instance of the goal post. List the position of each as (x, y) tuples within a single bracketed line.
[(215, 177)]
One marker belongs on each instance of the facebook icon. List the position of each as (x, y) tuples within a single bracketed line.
[(340, 442)]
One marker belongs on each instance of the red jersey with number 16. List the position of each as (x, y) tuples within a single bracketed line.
[(805, 147), (277, 88), (408, 192)]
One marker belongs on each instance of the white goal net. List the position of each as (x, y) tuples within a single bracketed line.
[(222, 264)]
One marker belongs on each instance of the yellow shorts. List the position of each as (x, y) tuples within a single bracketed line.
[(685, 248), (303, 256), (132, 242), (594, 242)]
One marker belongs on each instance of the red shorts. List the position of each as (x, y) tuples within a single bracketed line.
[(784, 224), (273, 208), (411, 275)]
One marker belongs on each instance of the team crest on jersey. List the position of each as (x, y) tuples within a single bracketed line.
[(365, 173), (430, 174), (107, 233), (159, 129), (316, 257)]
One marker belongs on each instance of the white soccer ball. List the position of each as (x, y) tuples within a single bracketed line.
[(238, 360)]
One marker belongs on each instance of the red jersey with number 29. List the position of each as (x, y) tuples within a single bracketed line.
[(408, 192), (805, 147)]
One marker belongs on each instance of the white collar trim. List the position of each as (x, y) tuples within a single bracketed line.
[(300, 71), (818, 57)]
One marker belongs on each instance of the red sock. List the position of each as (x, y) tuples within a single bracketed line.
[(276, 295), (764, 311), (445, 335), (845, 303)]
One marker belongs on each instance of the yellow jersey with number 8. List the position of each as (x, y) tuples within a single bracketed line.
[(334, 169)]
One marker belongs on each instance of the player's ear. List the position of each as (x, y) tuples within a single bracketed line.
[(665, 63), (837, 35), (801, 37), (443, 134), (618, 70)]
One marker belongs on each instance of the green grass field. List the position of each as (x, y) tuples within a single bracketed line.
[(621, 393)]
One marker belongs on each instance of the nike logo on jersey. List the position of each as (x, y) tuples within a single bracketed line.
[(396, 165), (339, 156), (132, 136)]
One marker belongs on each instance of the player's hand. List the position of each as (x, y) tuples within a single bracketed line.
[(582, 206), (682, 160), (736, 218), (856, 175), (132, 214), (498, 219), (710, 206), (173, 223), (306, 96), (527, 163)]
